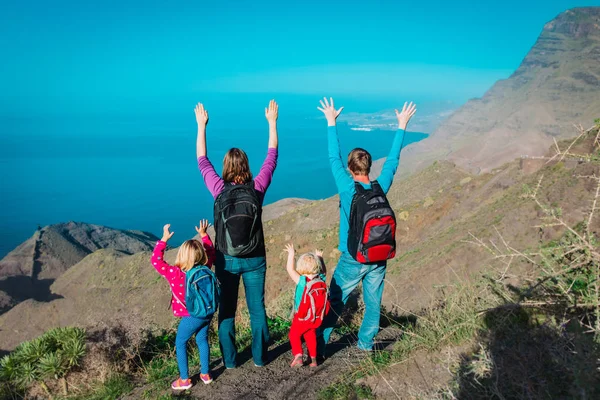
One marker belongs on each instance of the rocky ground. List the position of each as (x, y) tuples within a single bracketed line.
[(277, 380)]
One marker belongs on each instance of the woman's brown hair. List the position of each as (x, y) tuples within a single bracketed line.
[(236, 168)]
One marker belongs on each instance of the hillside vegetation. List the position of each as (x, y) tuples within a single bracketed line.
[(528, 326), (453, 231)]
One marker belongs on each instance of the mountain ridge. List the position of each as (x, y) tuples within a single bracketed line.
[(557, 84), (30, 269)]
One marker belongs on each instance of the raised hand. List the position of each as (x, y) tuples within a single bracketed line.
[(407, 112), (272, 112), (166, 233), (202, 228), (289, 266), (289, 248), (201, 115), (329, 110), (319, 253)]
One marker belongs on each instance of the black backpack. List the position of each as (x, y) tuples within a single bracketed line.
[(372, 230), (238, 220)]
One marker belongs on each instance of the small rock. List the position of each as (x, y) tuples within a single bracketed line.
[(288, 237), (403, 216), (466, 180), (428, 202), (272, 241)]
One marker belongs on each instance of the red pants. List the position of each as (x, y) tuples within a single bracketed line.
[(309, 331)]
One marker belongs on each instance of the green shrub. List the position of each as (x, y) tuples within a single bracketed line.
[(49, 357), (346, 390), (112, 388)]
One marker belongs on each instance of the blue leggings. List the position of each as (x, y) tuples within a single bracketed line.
[(187, 327)]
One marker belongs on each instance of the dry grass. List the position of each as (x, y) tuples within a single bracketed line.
[(536, 335)]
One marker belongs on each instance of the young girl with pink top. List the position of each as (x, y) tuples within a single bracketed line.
[(190, 254)]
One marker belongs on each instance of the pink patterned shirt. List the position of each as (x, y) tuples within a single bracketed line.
[(175, 276)]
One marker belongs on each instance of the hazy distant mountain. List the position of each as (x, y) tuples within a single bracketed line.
[(29, 270), (556, 85)]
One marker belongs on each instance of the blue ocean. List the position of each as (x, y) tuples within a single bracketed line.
[(139, 171)]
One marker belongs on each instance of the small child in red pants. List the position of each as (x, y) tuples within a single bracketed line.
[(310, 302)]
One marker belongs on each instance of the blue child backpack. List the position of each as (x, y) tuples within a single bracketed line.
[(202, 292)]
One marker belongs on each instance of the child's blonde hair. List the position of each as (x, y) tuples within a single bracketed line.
[(309, 264), (190, 254)]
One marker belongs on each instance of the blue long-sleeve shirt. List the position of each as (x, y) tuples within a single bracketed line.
[(345, 183)]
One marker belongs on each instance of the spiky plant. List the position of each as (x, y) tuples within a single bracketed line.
[(8, 368), (73, 351), (52, 365), (32, 351), (75, 334), (26, 375), (56, 337), (50, 356)]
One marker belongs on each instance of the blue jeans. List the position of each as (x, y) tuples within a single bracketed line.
[(252, 271), (348, 274), (187, 327)]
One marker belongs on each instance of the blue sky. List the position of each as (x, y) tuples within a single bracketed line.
[(83, 56)]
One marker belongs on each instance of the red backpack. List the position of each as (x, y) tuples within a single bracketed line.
[(372, 231), (315, 304)]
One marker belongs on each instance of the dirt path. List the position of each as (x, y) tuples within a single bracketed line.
[(277, 380)]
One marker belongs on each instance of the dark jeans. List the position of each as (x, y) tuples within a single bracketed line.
[(252, 271)]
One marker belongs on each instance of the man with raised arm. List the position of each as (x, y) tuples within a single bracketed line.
[(352, 268)]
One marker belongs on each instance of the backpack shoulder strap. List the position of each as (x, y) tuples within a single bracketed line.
[(300, 286), (376, 186), (359, 188), (316, 279), (227, 185), (182, 303)]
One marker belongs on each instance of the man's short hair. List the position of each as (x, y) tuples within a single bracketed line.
[(359, 161)]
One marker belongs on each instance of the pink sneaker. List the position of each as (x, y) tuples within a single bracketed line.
[(206, 378), (313, 362), (181, 384), (297, 362)]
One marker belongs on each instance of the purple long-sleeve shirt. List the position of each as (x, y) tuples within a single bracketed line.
[(215, 183)]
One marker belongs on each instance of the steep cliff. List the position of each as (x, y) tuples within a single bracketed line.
[(556, 85)]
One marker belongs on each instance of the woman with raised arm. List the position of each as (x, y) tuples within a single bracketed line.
[(239, 235)]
